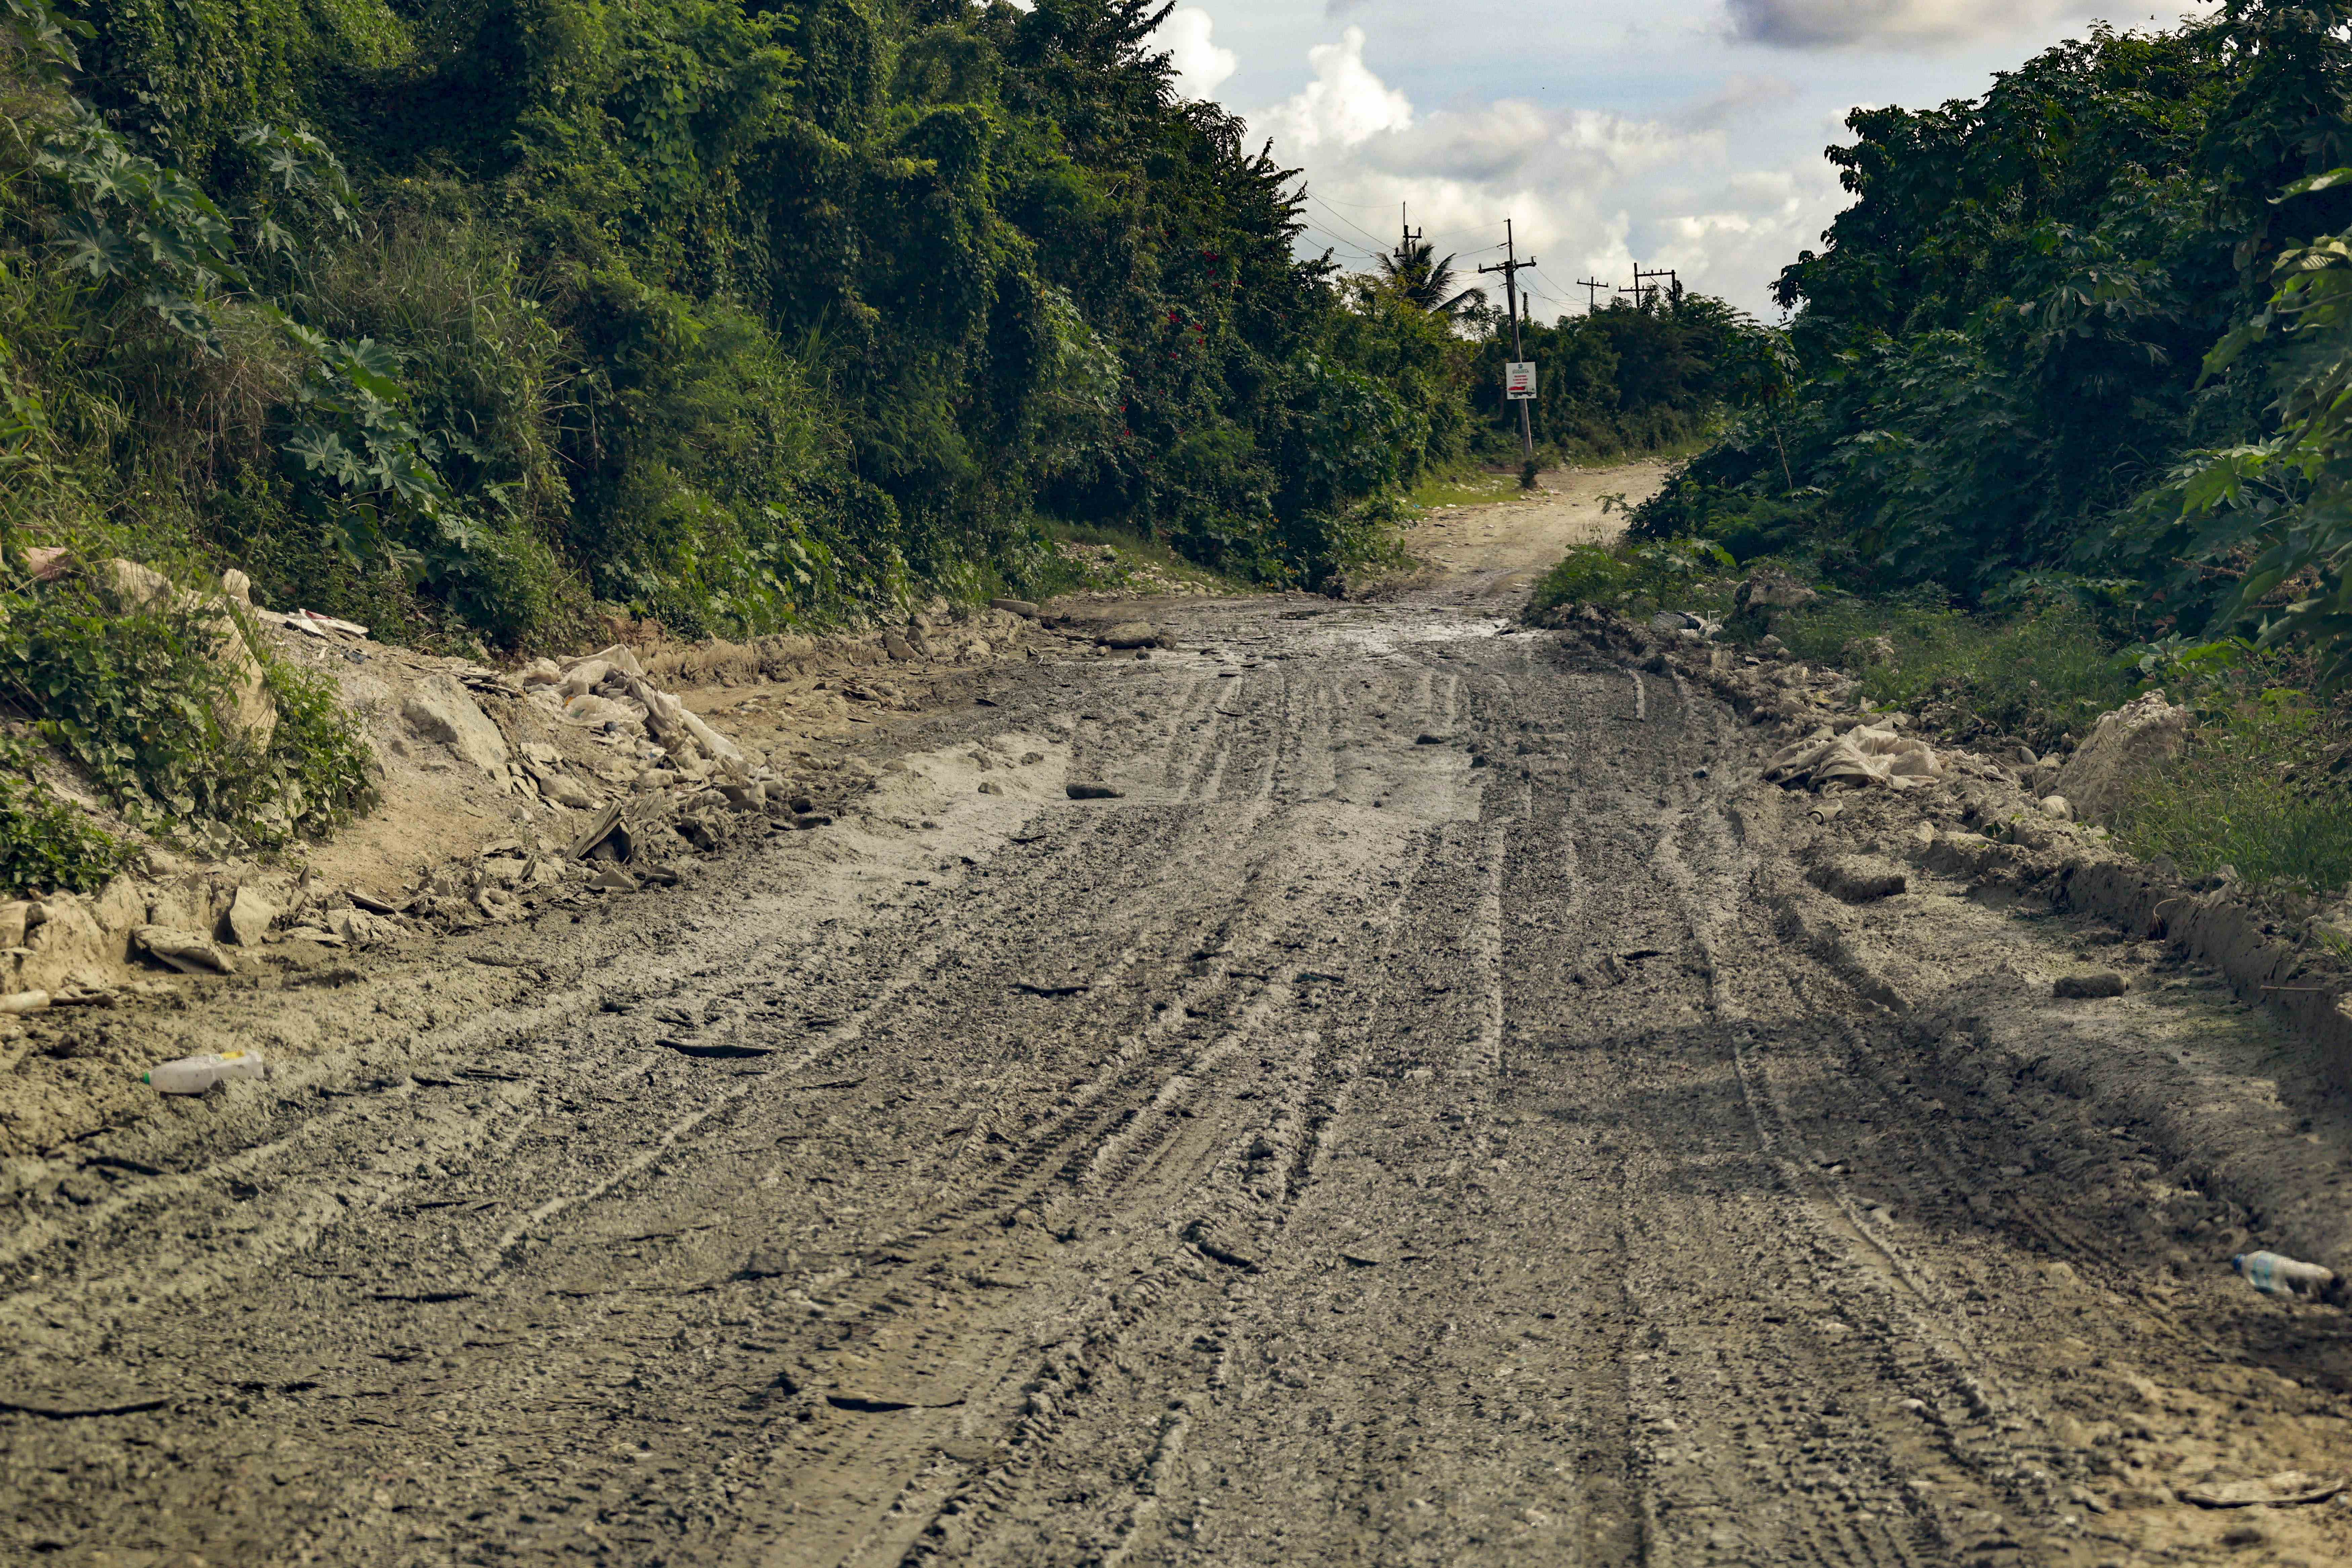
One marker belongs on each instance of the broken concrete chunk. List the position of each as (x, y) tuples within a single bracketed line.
[(249, 915), (2080, 987), (441, 708), (19, 1003), (185, 951), (2144, 734)]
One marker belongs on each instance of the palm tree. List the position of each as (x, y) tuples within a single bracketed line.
[(1414, 271)]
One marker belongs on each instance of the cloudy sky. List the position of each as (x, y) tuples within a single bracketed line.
[(1683, 134)]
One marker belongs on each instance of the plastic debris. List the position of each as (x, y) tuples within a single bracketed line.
[(2274, 1274), (194, 1075), (1860, 757)]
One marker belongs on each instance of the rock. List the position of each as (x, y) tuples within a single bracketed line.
[(897, 647), (1858, 879), (18, 1002), (185, 951), (560, 788), (1870, 650), (2079, 988), (442, 709), (249, 915), (2057, 805), (237, 586), (2123, 747), (2285, 1489), (1021, 607), (1771, 646), (801, 805), (1128, 634), (745, 798), (14, 918), (1769, 590), (136, 586), (612, 880), (1092, 791)]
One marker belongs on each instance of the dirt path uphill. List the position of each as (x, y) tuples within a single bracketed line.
[(1491, 553), (1396, 1128)]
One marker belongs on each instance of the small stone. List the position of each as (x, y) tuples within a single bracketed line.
[(990, 786), (897, 647), (1092, 791), (611, 878), (1128, 634), (2078, 988), (249, 915), (2056, 806)]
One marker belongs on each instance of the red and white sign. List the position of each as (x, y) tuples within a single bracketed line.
[(1519, 379)]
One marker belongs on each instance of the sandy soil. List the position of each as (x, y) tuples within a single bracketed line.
[(1426, 1117), (1491, 550)]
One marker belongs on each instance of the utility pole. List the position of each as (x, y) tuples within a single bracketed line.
[(1410, 233), (1592, 287), (1674, 288), (1509, 267)]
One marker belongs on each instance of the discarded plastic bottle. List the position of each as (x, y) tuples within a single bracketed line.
[(2275, 1275), (194, 1075)]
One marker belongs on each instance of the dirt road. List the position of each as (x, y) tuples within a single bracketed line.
[(1398, 1128)]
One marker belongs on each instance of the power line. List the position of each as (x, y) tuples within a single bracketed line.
[(1377, 241)]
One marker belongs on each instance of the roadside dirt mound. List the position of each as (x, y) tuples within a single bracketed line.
[(504, 794)]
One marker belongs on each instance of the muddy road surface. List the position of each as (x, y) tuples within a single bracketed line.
[(1396, 1128)]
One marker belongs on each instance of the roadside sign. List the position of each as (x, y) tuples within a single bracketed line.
[(1519, 379)]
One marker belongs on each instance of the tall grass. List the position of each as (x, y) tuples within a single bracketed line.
[(2256, 790), (2039, 676)]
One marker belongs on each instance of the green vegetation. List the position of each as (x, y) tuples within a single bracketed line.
[(2064, 400), (2258, 790), (468, 319), (478, 320), (1630, 379), (46, 844), (1640, 578)]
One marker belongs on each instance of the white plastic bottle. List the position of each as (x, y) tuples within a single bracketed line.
[(2276, 1275), (194, 1075)]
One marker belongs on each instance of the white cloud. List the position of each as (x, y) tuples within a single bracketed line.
[(1839, 24), (1572, 181), (1345, 105), (1199, 65)]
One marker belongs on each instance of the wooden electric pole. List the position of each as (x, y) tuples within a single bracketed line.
[(1592, 287), (1674, 284), (1509, 267)]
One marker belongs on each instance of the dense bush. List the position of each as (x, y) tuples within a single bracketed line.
[(1632, 376), (463, 318), (2006, 348)]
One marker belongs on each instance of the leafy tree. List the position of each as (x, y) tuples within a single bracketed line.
[(1419, 277)]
